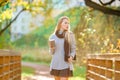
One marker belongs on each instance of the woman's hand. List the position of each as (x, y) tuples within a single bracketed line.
[(53, 50), (70, 59)]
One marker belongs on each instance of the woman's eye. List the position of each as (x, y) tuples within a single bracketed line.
[(66, 23)]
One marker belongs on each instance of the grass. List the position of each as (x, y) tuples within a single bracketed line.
[(36, 55), (77, 78), (79, 73), (27, 71)]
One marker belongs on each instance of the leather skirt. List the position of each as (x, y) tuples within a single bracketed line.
[(62, 73)]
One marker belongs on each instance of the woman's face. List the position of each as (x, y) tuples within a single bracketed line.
[(65, 25)]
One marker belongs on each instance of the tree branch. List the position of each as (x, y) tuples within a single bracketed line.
[(11, 22), (107, 3), (103, 9)]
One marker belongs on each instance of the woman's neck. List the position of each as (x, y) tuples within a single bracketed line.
[(61, 31)]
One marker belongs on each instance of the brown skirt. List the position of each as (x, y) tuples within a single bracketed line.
[(62, 73)]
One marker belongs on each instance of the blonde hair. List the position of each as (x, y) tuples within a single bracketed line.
[(58, 26)]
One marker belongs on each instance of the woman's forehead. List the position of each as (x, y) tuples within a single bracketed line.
[(65, 20)]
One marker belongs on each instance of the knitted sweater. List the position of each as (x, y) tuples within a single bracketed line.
[(58, 61)]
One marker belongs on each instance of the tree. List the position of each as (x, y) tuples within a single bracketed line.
[(27, 5), (103, 7)]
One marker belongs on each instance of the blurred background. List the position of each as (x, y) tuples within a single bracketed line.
[(25, 26)]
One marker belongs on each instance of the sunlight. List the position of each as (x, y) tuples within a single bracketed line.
[(76, 78)]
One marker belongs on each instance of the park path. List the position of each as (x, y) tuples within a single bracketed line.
[(41, 72)]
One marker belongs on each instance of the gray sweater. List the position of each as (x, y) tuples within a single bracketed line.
[(57, 61)]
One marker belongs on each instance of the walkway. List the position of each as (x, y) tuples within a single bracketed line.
[(41, 72)]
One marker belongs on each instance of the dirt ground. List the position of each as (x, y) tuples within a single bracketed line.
[(41, 72)]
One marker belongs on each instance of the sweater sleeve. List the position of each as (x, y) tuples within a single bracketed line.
[(73, 45)]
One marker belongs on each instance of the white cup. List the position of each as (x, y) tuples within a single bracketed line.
[(52, 45)]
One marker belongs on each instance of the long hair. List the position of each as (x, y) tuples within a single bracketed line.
[(58, 26)]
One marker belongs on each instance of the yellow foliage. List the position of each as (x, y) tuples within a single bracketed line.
[(3, 2), (116, 49), (6, 15), (118, 44), (81, 40), (22, 3)]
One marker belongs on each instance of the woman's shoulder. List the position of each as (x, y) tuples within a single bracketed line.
[(52, 36), (71, 32)]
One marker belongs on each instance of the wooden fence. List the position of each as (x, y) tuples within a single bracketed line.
[(10, 65), (103, 67)]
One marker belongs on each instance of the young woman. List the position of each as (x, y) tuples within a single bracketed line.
[(64, 51)]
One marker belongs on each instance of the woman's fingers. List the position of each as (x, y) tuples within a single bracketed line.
[(70, 59)]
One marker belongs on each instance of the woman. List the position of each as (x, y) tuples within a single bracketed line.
[(64, 52)]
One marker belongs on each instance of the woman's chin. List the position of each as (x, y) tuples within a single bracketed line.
[(66, 29)]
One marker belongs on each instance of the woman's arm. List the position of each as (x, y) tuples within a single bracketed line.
[(72, 45), (51, 43)]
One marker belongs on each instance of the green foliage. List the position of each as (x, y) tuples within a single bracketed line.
[(27, 71), (35, 58), (39, 37), (95, 31), (80, 71), (36, 55), (74, 15), (5, 40), (6, 13)]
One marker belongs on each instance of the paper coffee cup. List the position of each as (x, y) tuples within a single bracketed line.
[(52, 43)]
